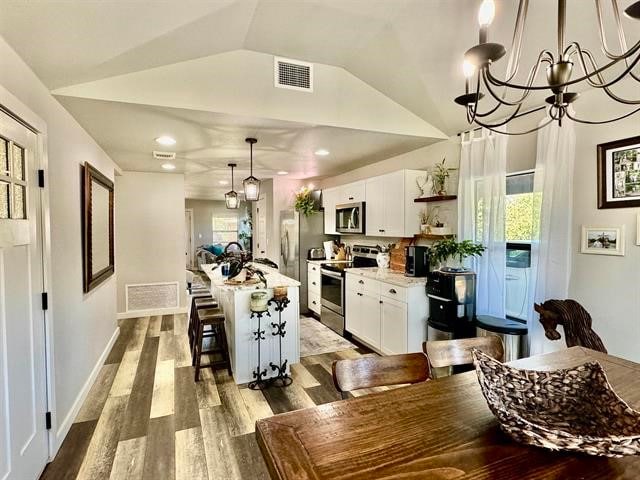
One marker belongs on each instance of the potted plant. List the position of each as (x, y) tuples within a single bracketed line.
[(304, 202), (439, 175), (383, 259), (453, 253)]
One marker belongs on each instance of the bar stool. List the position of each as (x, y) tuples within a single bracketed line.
[(198, 303), (213, 317)]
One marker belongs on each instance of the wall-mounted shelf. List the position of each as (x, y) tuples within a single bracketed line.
[(435, 198), (430, 236)]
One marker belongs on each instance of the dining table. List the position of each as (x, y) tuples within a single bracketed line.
[(439, 429)]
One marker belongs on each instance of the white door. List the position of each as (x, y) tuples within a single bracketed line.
[(261, 227), (188, 237), (370, 315), (393, 204), (393, 319), (23, 402), (353, 312), (375, 207)]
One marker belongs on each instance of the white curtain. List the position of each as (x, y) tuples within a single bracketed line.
[(551, 249), (481, 218)]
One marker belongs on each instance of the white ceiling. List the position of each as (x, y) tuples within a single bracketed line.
[(409, 51)]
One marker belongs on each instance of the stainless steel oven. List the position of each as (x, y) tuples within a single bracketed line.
[(350, 218), (332, 300)]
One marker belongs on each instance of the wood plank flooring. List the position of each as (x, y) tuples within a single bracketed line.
[(146, 418)]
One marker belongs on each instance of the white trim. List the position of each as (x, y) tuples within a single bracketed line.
[(149, 313), (192, 253), (65, 425)]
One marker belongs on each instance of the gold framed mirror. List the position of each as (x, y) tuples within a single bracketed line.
[(97, 228)]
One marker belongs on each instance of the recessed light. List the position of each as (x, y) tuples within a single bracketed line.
[(322, 152), (168, 166), (223, 182), (282, 172), (166, 140)]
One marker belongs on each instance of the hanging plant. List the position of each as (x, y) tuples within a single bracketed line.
[(304, 202)]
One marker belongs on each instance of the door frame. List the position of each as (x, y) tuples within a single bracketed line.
[(10, 105), (192, 249)]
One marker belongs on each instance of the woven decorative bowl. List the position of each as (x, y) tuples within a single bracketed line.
[(574, 409)]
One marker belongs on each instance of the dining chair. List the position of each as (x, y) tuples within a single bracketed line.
[(444, 355), (369, 372)]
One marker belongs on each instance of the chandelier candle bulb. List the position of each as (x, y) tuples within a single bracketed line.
[(486, 14)]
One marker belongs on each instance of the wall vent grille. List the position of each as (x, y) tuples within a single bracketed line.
[(151, 296), (293, 74), (164, 155)]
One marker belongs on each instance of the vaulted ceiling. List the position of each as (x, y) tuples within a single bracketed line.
[(393, 67)]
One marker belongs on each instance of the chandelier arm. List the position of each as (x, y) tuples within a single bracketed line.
[(516, 133), (602, 83), (489, 112), (600, 122), (606, 89), (503, 122), (532, 75), (472, 118), (632, 51), (516, 43)]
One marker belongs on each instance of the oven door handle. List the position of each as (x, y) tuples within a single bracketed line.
[(330, 274)]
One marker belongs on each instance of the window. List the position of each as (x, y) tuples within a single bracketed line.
[(225, 229), (13, 180), (521, 205)]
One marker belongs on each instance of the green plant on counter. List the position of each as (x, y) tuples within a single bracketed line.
[(304, 202), (444, 249)]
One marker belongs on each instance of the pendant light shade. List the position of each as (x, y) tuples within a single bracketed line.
[(231, 198), (251, 184)]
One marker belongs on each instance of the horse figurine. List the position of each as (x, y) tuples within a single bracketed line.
[(575, 320)]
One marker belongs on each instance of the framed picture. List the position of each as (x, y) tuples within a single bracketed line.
[(619, 173), (603, 240)]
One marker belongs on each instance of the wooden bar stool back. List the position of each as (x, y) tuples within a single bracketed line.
[(214, 319), (443, 354), (369, 372), (205, 301)]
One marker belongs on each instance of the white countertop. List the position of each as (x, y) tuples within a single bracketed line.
[(320, 262), (388, 276), (274, 278)]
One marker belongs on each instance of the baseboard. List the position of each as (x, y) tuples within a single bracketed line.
[(148, 313), (65, 426)]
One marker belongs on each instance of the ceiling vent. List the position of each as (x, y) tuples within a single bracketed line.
[(164, 155), (293, 74)]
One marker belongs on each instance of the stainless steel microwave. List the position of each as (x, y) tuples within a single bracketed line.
[(350, 218)]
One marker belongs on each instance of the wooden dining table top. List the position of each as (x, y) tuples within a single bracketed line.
[(439, 429)]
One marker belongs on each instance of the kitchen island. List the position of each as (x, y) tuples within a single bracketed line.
[(240, 327)]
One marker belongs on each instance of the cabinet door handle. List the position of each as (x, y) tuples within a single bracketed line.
[(361, 282), (393, 290), (359, 294), (380, 301), (314, 302), (313, 283), (381, 231), (350, 198), (314, 269)]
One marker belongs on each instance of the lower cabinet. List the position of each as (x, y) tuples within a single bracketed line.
[(388, 325), (393, 326)]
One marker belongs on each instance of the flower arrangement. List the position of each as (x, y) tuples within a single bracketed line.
[(304, 202), (446, 249), (439, 174)]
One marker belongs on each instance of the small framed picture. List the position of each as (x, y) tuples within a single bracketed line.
[(603, 240), (619, 173)]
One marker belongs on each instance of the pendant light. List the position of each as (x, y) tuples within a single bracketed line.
[(231, 198), (251, 184)]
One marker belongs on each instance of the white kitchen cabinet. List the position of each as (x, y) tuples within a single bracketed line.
[(330, 198), (352, 193), (390, 209), (393, 326), (389, 318), (370, 318), (353, 312), (313, 287)]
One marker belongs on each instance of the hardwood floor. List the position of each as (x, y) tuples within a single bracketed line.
[(145, 418)]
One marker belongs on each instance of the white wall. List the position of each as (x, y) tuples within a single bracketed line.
[(83, 325), (150, 230)]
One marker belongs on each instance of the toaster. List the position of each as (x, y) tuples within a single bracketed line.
[(316, 254)]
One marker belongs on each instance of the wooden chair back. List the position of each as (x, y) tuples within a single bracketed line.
[(452, 353), (370, 372)]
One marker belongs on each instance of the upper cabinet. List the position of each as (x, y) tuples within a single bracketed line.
[(352, 193), (329, 201), (390, 209)]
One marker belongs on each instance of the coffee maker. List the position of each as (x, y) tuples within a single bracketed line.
[(416, 261)]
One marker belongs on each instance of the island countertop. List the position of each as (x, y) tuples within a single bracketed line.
[(274, 278)]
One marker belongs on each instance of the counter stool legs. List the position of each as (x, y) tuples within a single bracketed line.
[(213, 318)]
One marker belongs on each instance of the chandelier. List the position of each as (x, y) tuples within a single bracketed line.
[(480, 82)]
